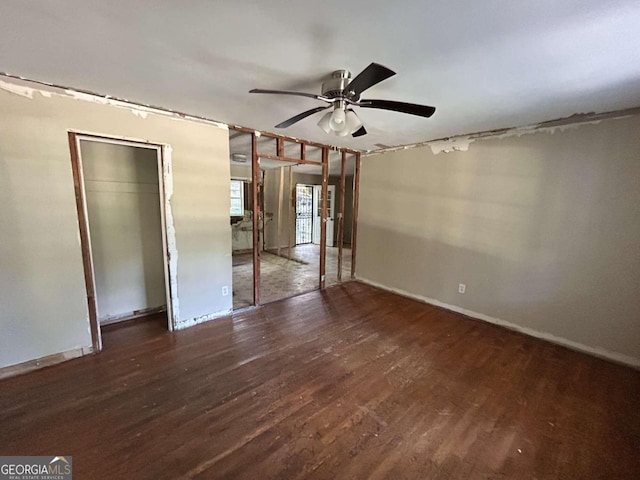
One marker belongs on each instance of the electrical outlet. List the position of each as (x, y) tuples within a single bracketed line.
[(462, 288), (225, 291)]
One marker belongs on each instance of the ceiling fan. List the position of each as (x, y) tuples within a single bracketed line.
[(342, 92)]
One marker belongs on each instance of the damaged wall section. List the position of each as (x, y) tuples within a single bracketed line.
[(461, 143), (43, 305), (543, 228)]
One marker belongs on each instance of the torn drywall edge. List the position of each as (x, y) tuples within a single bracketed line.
[(172, 248), (549, 337), (138, 109), (21, 90), (461, 142), (221, 125), (107, 99), (127, 139), (139, 113), (202, 319), (457, 144), (85, 97), (169, 233)]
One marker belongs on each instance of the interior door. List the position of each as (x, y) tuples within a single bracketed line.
[(317, 213)]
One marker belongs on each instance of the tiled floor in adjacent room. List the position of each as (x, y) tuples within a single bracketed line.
[(281, 277)]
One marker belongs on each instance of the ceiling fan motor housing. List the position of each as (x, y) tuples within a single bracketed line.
[(334, 86)]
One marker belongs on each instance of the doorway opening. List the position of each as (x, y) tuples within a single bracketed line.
[(304, 214), (241, 219), (340, 217), (290, 259), (317, 216), (121, 208), (309, 214), (293, 236)]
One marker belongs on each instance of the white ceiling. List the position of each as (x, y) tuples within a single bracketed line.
[(483, 64)]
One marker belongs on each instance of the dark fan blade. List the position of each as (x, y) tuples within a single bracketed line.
[(374, 73), (300, 116), (360, 132), (410, 108), (285, 92)]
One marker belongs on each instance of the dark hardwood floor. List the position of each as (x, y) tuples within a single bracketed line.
[(348, 383)]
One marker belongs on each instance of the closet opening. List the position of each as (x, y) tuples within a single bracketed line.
[(120, 195)]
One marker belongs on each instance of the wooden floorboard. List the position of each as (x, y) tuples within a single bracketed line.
[(351, 382)]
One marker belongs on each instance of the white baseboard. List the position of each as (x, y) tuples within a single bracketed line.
[(595, 351)]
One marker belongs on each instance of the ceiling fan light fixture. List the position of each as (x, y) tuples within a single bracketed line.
[(338, 118), (324, 123), (340, 92), (349, 125)]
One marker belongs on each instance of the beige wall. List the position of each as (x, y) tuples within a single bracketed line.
[(123, 206), (241, 172), (43, 306), (348, 206), (271, 187), (271, 192), (544, 230)]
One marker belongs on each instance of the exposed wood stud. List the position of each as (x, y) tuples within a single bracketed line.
[(280, 147), (343, 162), (291, 224), (170, 288), (323, 216), (289, 159), (83, 222), (289, 139), (354, 220), (258, 217), (262, 210), (280, 200), (255, 183)]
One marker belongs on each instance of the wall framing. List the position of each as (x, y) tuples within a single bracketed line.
[(257, 214)]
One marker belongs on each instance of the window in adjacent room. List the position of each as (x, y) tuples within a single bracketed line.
[(237, 198)]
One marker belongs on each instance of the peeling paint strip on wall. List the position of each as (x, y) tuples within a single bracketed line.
[(137, 109), (17, 89), (172, 249), (460, 143)]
